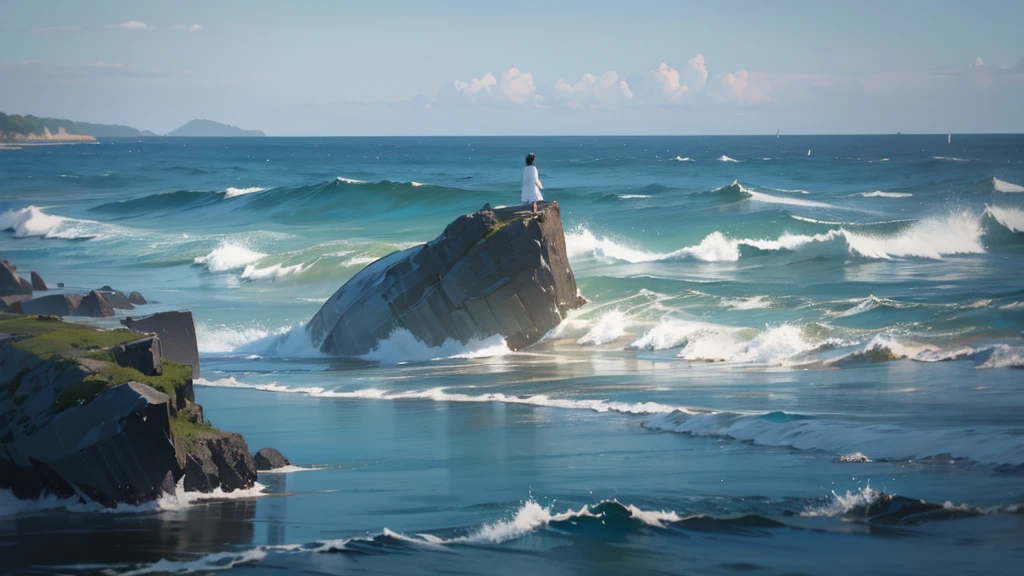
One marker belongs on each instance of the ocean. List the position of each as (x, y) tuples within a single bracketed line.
[(781, 332)]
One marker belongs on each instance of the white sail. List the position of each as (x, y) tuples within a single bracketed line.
[(949, 137), (808, 151), (776, 133)]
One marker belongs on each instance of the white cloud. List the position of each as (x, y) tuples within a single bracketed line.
[(186, 28), (978, 63), (515, 86), (739, 86), (131, 25), (593, 92), (674, 85)]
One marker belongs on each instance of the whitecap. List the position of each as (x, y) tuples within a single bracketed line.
[(724, 158), (1011, 218), (232, 192), (683, 159), (229, 256), (881, 194), (609, 327), (403, 346), (1006, 187), (33, 222), (350, 180), (274, 272)]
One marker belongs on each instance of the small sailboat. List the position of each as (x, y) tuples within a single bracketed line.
[(949, 137), (776, 133), (808, 151)]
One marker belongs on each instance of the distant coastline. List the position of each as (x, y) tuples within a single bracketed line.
[(17, 131)]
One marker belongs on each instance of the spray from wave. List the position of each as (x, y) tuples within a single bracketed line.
[(234, 192), (33, 222), (1006, 187), (724, 158), (229, 256)]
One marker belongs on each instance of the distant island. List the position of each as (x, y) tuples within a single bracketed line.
[(17, 129), (209, 128)]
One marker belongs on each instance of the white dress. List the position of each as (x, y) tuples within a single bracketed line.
[(531, 185)]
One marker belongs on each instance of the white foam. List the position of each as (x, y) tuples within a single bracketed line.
[(290, 469), (207, 563), (582, 242), (774, 346), (232, 192), (229, 256), (841, 504), (724, 158), (1011, 218), (633, 196), (359, 261), (33, 222), (529, 517), (768, 198), (854, 457), (683, 159), (1006, 187), (752, 303), (1005, 356), (402, 346), (275, 272), (673, 333), (881, 194), (416, 184), (950, 159), (441, 395), (350, 180), (609, 327)]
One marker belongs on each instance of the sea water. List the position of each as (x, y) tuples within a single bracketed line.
[(773, 338)]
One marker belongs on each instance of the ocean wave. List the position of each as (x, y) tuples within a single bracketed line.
[(633, 196), (609, 327), (33, 222), (229, 256), (724, 158), (232, 192), (1006, 187), (443, 395), (1010, 218), (402, 346), (950, 159), (751, 303), (683, 159), (881, 194), (350, 180), (932, 238), (274, 272), (878, 441)]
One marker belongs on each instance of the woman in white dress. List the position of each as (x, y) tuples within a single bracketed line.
[(531, 183)]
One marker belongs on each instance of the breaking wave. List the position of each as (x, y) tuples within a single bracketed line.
[(233, 192), (33, 222), (724, 158), (1010, 218), (881, 441), (1006, 187), (683, 159), (881, 194), (229, 256), (402, 346)]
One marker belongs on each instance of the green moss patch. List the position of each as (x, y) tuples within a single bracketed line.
[(49, 337), (188, 432), (110, 375)]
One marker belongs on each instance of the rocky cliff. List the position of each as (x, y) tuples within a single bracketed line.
[(497, 271), (104, 415)]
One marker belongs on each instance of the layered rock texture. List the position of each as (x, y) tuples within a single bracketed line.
[(499, 271), (104, 415)]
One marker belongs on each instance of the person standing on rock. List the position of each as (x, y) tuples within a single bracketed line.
[(531, 183)]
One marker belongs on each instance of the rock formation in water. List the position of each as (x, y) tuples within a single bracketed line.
[(500, 271), (106, 416)]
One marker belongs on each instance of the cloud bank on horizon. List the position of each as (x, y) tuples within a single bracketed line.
[(284, 75)]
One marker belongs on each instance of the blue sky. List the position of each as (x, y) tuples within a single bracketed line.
[(641, 67)]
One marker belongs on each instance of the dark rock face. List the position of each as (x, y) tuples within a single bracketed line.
[(892, 509), (117, 299), (143, 355), (10, 283), (116, 448), (26, 286), (220, 460), (137, 299), (497, 271), (95, 305), (177, 332), (53, 305), (12, 304), (270, 459), (37, 282)]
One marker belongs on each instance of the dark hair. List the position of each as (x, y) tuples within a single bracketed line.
[(529, 159)]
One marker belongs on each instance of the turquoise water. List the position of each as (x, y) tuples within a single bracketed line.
[(778, 329)]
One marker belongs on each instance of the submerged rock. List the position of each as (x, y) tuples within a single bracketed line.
[(95, 306), (37, 281), (116, 298), (270, 459), (500, 271), (177, 332), (53, 305)]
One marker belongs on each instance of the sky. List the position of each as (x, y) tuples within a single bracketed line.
[(338, 68)]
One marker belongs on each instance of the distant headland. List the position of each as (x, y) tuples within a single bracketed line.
[(30, 129)]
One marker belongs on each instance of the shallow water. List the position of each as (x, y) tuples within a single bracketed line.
[(770, 342)]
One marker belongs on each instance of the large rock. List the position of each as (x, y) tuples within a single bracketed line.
[(26, 286), (95, 306), (12, 304), (137, 299), (10, 283), (116, 298), (177, 332), (219, 460), (37, 282), (498, 271), (53, 305), (116, 448), (270, 459), (143, 355)]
